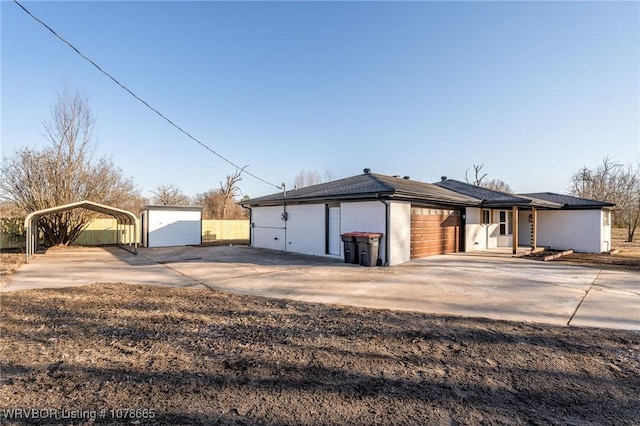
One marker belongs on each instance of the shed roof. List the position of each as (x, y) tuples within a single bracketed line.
[(368, 186), (179, 208)]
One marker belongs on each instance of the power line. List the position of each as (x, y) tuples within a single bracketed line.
[(145, 103)]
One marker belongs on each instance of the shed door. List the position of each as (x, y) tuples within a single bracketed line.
[(333, 231), (434, 231)]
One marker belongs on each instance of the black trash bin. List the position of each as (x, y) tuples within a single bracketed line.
[(368, 248), (350, 248)]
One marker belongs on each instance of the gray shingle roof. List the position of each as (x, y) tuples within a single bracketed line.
[(368, 185), (489, 196), (567, 201)]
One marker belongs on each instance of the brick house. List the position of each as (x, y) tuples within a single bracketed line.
[(416, 219)]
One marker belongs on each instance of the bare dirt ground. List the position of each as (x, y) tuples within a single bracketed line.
[(195, 357), (627, 258), (120, 354)]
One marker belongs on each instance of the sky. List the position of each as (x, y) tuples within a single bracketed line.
[(534, 91)]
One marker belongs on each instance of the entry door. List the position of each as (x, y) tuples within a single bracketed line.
[(505, 237), (333, 231)]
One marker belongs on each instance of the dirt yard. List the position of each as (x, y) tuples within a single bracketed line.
[(627, 255), (117, 354), (191, 357), (9, 263)]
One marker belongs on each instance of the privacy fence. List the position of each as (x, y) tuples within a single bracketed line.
[(103, 232)]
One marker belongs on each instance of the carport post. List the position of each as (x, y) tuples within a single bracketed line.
[(534, 228), (514, 228)]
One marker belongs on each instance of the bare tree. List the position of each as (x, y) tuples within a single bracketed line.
[(497, 185), (478, 177), (63, 172), (221, 203), (230, 191), (169, 195), (211, 203), (479, 180), (627, 213), (616, 183), (311, 177)]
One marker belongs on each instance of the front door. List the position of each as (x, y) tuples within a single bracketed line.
[(505, 232)]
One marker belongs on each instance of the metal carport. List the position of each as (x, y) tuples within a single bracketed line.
[(123, 217)]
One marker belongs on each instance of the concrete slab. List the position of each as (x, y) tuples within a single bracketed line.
[(612, 302), (77, 266), (482, 286)]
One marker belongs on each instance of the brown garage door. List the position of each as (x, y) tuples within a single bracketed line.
[(434, 231)]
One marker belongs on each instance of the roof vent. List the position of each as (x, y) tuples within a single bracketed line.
[(367, 170), (396, 176), (406, 177), (443, 178)]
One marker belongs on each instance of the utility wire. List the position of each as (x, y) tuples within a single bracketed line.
[(145, 103)]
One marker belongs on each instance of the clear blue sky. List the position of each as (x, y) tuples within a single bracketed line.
[(533, 90)]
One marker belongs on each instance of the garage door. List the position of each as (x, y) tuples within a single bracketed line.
[(434, 231)]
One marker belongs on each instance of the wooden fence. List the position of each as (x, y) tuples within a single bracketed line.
[(104, 231)]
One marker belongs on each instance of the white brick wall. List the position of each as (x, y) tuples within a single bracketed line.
[(306, 229), (477, 235), (367, 216), (400, 230), (580, 230), (474, 232), (267, 228)]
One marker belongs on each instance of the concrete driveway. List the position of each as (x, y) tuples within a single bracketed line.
[(498, 287)]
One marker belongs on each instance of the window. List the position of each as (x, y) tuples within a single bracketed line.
[(486, 216), (606, 218)]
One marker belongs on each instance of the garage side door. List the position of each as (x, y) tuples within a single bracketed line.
[(434, 231)]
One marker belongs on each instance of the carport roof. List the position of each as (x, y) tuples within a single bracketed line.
[(368, 186), (123, 216)]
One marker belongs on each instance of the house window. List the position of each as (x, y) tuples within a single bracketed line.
[(505, 222), (606, 218), (486, 216)]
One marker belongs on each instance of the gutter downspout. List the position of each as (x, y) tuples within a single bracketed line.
[(284, 213), (387, 216)]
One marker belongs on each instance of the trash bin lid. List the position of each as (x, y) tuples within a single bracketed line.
[(368, 234), (350, 234), (360, 234)]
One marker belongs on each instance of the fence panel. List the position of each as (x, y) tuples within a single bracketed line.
[(12, 233), (213, 229), (104, 231)]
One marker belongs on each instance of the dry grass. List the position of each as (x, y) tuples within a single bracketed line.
[(9, 263), (619, 241)]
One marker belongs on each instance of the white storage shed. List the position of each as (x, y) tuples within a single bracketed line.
[(166, 226)]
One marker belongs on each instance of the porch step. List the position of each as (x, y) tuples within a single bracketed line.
[(527, 252)]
